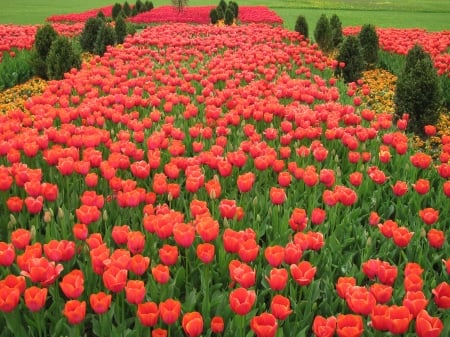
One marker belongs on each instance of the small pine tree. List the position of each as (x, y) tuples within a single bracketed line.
[(43, 40), (223, 5), (220, 13), (323, 34), (418, 92), (369, 42), (61, 58), (101, 15), (105, 37), (229, 17), (213, 16), (336, 31), (89, 33), (350, 54), (139, 6), (121, 29), (126, 9), (301, 26), (117, 8), (235, 7)]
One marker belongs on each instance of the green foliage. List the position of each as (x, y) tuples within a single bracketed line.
[(220, 13), (15, 69), (105, 37), (89, 33), (61, 58), (223, 5), (301, 26), (101, 15), (336, 31), (213, 16), (139, 6), (148, 5), (369, 42), (234, 7), (323, 34), (120, 29), (350, 53), (418, 91), (229, 16), (116, 10), (43, 39), (180, 4), (126, 8)]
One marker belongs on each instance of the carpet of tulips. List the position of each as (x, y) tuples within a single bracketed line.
[(217, 181)]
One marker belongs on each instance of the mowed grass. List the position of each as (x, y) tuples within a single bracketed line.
[(428, 14)]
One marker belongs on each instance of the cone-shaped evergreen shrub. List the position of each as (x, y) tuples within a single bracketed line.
[(43, 40), (301, 26), (220, 13), (351, 54), (126, 8), (105, 37), (89, 33), (223, 5), (336, 31), (229, 17), (61, 58), (369, 43), (116, 10), (417, 91), (121, 29), (323, 34), (234, 7), (213, 16)]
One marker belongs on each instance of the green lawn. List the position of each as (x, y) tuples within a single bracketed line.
[(429, 14)]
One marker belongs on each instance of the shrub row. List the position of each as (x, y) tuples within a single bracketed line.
[(226, 12)]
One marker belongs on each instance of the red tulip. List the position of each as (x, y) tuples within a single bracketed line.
[(9, 298), (139, 264), (277, 279), (242, 300), (399, 319), (436, 238), (343, 285), (422, 186), (442, 295), (74, 311), (324, 327), (429, 215), (274, 255), (381, 292), (415, 301), (207, 228), (360, 300), (42, 271), (72, 284), (169, 311), (277, 195), (192, 324), (400, 188), (280, 307), (217, 324), (161, 273), (35, 298), (120, 234), (303, 272), (184, 234), (349, 326), (205, 252), (136, 242), (248, 250), (379, 317), (135, 291), (428, 326), (115, 278), (264, 325), (402, 236), (14, 204), (298, 220), (148, 313), (100, 302), (227, 208), (7, 254)]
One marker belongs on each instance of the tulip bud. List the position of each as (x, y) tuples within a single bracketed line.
[(47, 217), (33, 232), (255, 201), (12, 222), (60, 213), (105, 215)]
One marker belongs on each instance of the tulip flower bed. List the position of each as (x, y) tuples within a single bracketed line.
[(203, 181), (22, 37), (200, 15), (400, 41), (81, 17)]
